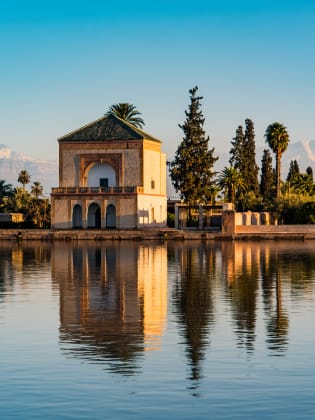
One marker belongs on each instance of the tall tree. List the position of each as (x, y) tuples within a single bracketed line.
[(277, 139), (237, 150), (250, 174), (267, 179), (24, 178), (127, 112), (294, 170), (243, 157), (191, 170)]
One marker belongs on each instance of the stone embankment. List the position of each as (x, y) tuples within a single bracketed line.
[(275, 232), (300, 232), (99, 235)]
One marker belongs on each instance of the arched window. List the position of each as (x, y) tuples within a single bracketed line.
[(101, 175)]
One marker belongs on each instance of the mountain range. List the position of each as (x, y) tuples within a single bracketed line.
[(46, 171)]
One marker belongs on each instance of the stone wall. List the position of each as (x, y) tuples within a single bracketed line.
[(254, 218), (276, 230), (151, 211), (154, 170)]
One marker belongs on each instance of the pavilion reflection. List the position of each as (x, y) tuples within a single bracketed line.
[(113, 301)]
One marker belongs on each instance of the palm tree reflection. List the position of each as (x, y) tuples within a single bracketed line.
[(277, 319)]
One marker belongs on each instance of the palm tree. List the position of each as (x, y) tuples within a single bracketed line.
[(277, 139), (6, 190), (24, 178), (37, 189), (213, 192), (20, 200), (230, 180), (127, 112)]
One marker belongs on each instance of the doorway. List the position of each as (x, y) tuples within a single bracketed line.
[(94, 216), (111, 216)]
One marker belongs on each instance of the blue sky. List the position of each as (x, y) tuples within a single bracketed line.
[(63, 63)]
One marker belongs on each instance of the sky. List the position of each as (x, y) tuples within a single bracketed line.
[(64, 62)]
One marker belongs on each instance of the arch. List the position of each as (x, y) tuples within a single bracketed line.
[(101, 175), (77, 216), (94, 216), (111, 216)]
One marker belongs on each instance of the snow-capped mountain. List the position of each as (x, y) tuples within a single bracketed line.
[(303, 152), (11, 163)]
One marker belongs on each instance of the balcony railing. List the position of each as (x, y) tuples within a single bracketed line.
[(96, 190)]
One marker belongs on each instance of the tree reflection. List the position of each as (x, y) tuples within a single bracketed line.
[(277, 319), (243, 275), (246, 263), (278, 325), (6, 271), (23, 259), (113, 296), (193, 301)]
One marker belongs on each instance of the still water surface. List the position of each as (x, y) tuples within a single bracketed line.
[(157, 331)]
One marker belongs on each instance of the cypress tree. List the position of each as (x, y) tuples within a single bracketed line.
[(191, 170), (267, 180), (250, 168), (243, 158), (294, 170), (309, 172), (236, 159)]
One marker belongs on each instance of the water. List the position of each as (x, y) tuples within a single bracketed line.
[(157, 331)]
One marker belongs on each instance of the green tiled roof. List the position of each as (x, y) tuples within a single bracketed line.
[(108, 128)]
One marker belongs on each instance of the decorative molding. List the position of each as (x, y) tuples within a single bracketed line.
[(115, 160)]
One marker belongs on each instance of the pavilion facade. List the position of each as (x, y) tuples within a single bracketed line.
[(111, 175)]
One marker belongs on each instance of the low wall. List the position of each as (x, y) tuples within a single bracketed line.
[(254, 218), (274, 231)]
